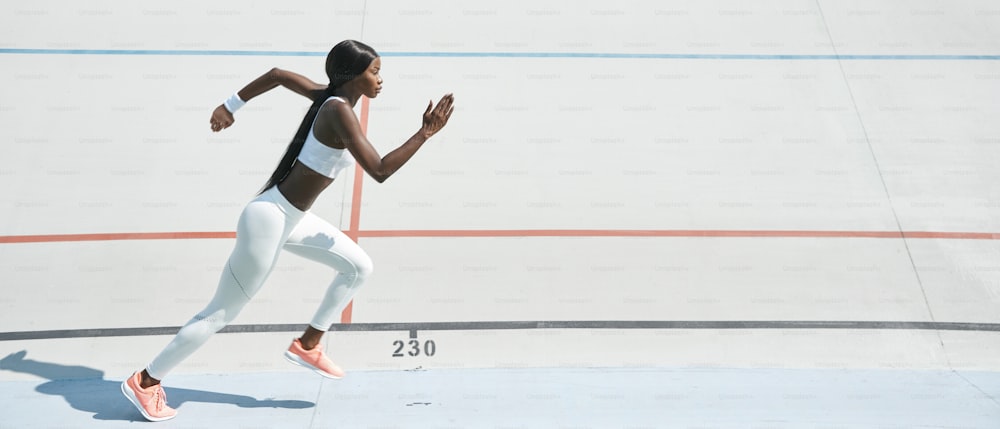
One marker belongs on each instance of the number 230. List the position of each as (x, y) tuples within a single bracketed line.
[(429, 348)]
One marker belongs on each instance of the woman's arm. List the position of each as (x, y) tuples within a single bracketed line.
[(275, 77), (347, 128), (222, 118)]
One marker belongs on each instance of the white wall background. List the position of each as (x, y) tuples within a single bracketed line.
[(102, 142)]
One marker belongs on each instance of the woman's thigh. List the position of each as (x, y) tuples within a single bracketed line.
[(317, 240)]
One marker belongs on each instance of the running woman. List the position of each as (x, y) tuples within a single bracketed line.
[(328, 141)]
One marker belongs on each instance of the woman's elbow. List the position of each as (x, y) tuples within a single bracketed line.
[(275, 74), (379, 176)]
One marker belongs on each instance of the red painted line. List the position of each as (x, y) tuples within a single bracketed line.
[(473, 233), (955, 235), (352, 230), (675, 233), (359, 175), (59, 238)]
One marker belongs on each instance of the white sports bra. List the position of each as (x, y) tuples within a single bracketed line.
[(321, 158)]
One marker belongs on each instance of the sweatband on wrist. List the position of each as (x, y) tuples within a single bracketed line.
[(234, 103)]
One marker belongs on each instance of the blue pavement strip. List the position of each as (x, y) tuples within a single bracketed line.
[(76, 396)]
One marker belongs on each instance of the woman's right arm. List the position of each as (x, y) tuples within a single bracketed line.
[(222, 118), (348, 130)]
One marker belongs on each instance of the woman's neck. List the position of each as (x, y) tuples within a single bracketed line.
[(352, 96)]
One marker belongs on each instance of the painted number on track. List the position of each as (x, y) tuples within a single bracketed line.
[(414, 348)]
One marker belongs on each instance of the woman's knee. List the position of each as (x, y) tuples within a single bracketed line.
[(360, 269), (364, 267), (222, 310)]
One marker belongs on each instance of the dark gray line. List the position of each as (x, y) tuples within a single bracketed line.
[(412, 328), (975, 386), (364, 13), (878, 169)]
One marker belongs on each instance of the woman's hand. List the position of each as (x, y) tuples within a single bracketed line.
[(221, 119), (436, 117)]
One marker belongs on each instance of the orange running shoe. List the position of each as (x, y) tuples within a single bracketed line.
[(313, 359), (151, 402)]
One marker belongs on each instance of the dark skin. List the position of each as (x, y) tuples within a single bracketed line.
[(336, 126)]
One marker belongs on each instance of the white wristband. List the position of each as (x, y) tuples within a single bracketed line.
[(234, 103)]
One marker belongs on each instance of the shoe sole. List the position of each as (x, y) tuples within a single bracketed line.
[(127, 391), (293, 358)]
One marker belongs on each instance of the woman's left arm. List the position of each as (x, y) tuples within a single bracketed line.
[(222, 117)]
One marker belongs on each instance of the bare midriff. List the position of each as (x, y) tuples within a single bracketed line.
[(302, 186)]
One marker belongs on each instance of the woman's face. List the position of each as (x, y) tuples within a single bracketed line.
[(371, 81)]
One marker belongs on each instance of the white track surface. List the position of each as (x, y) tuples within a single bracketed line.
[(774, 181)]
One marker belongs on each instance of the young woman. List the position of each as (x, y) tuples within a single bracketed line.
[(328, 141)]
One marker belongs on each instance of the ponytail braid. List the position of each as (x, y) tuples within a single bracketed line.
[(346, 60), (285, 166)]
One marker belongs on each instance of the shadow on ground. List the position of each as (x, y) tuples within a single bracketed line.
[(85, 389)]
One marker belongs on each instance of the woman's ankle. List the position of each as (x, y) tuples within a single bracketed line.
[(146, 381), (311, 338)]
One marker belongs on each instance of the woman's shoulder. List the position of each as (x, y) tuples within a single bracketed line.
[(335, 111)]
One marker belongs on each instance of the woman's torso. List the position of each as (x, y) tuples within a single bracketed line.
[(322, 159)]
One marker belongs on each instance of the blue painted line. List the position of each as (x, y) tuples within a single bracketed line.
[(161, 52), (564, 55)]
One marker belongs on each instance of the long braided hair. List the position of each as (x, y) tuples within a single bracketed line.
[(346, 60)]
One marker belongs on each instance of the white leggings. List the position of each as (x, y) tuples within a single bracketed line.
[(268, 224)]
